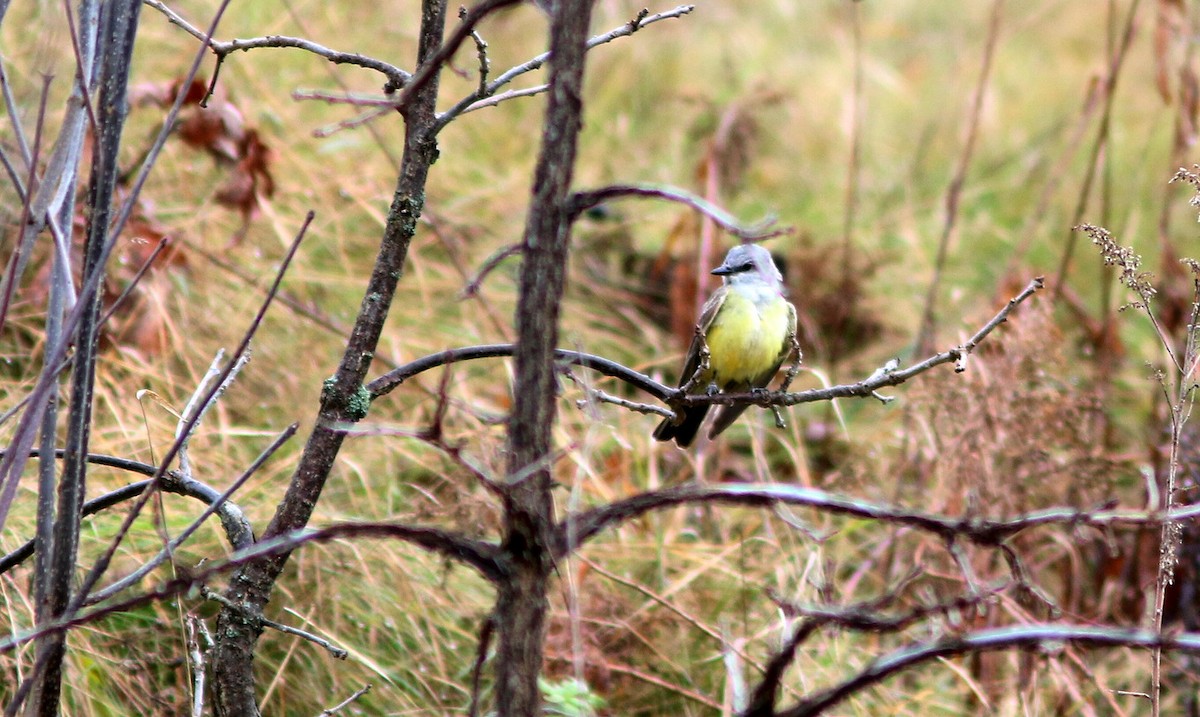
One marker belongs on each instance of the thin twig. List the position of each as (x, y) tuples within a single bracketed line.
[(482, 556), (346, 702), (102, 564), (233, 520), (169, 549), (431, 65), (493, 261), (494, 100), (137, 278), (595, 394), (395, 76), (481, 650), (487, 97), (337, 652), (480, 51), (924, 340), (1099, 145)]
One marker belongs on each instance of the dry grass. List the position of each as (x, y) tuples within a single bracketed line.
[(1035, 422)]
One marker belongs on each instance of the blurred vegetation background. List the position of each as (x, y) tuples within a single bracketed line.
[(845, 120)]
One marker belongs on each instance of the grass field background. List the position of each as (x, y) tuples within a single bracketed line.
[(775, 97)]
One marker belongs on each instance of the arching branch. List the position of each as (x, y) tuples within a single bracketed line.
[(483, 556), (1047, 637), (396, 77), (237, 528), (576, 530), (583, 201), (390, 380)]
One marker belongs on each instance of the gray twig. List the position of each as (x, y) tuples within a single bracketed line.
[(395, 76), (346, 702)]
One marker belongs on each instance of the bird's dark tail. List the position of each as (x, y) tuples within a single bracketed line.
[(683, 432), (725, 418)]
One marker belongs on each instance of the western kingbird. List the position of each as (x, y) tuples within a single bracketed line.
[(749, 329)]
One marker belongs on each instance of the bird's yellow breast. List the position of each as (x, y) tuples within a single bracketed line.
[(746, 338)]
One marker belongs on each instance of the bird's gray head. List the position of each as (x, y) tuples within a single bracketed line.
[(749, 263)]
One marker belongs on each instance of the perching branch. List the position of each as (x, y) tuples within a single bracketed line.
[(881, 379), (390, 380)]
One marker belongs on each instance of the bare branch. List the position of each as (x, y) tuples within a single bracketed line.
[(486, 95), (1040, 637), (339, 653), (431, 65), (480, 51), (861, 616), (186, 429), (494, 100), (169, 549), (159, 248), (599, 396), (233, 520), (485, 557), (880, 379), (582, 201), (357, 99), (346, 702), (390, 380), (483, 96), (576, 530), (395, 76), (472, 287)]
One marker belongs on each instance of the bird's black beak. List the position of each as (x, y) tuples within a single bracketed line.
[(723, 270)]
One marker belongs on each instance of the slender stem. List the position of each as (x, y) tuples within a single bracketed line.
[(954, 192)]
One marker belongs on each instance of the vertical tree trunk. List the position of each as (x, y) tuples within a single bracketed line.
[(118, 27), (341, 402), (529, 507)]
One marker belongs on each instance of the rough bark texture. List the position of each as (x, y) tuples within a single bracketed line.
[(342, 401), (529, 507), (118, 27)]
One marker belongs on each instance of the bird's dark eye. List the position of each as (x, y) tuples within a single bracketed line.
[(748, 266)]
